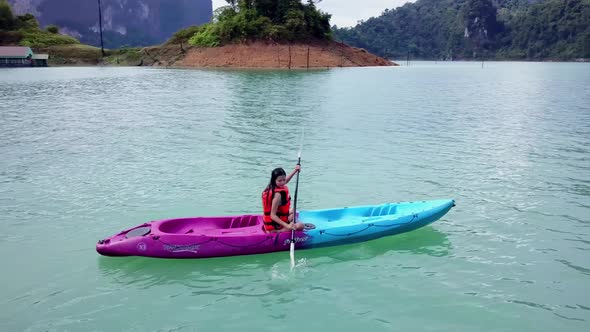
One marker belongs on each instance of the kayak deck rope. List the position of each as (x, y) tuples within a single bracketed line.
[(216, 239)]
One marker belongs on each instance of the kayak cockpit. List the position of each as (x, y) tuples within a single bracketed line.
[(207, 224)]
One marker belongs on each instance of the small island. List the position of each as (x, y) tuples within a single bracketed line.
[(244, 34)]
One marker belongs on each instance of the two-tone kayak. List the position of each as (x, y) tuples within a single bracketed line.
[(201, 237)]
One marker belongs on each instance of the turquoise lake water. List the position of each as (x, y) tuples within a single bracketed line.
[(87, 152)]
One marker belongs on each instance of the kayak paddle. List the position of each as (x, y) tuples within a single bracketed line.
[(292, 248)]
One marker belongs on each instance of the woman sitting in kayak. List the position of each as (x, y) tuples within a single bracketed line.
[(276, 203)]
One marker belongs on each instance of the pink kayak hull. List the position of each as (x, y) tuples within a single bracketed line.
[(197, 238)]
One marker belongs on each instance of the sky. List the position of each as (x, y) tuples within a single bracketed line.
[(346, 13)]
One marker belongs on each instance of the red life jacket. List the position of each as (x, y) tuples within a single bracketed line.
[(282, 209)]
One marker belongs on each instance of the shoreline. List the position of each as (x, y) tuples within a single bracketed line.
[(252, 55), (263, 55), (497, 60), (248, 55)]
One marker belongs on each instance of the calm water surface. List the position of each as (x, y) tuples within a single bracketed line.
[(87, 152)]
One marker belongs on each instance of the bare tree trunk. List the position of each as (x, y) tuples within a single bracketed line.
[(341, 54), (279, 54)]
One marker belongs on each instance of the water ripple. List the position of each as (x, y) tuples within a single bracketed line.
[(87, 152)]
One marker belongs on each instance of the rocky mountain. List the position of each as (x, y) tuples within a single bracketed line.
[(125, 22)]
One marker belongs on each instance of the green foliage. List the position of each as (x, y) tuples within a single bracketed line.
[(318, 23), (24, 30), (182, 36), (39, 38), (557, 29), (451, 29), (52, 29), (6, 17), (425, 29), (124, 56), (10, 37), (27, 22), (295, 23), (223, 14), (72, 54), (273, 20), (207, 36)]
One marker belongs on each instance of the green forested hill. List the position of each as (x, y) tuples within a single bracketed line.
[(475, 29)]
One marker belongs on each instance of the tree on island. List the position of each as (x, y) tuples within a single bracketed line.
[(271, 20)]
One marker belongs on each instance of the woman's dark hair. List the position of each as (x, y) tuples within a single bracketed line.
[(273, 181), (274, 175)]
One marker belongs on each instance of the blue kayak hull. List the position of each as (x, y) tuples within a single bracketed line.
[(364, 223)]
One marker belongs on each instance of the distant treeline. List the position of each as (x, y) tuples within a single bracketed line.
[(477, 29)]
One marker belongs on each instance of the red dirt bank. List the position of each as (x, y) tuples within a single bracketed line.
[(262, 55)]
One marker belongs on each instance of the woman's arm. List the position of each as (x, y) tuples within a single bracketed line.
[(297, 169), (273, 211)]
